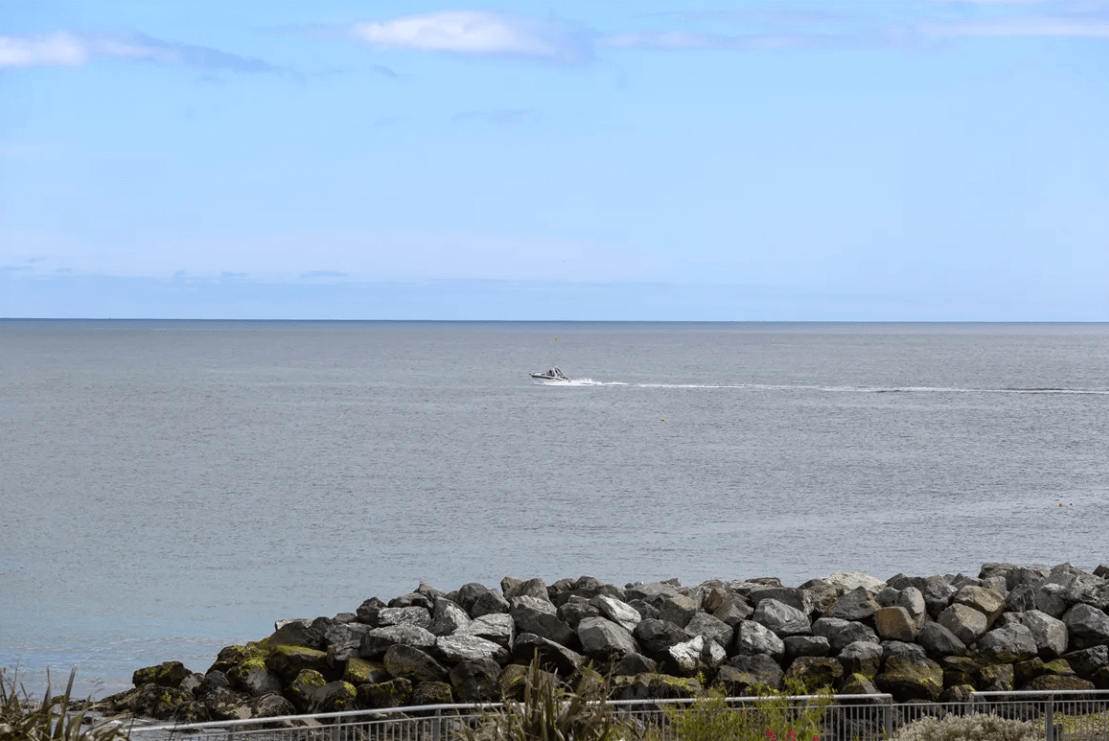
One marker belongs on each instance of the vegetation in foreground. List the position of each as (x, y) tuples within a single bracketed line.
[(547, 711), (51, 719), (976, 727)]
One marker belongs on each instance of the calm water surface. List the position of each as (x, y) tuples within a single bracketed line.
[(169, 488)]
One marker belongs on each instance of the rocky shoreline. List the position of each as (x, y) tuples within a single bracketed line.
[(928, 638)]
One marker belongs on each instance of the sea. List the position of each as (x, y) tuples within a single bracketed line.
[(168, 488)]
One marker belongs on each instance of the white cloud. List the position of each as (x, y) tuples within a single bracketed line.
[(50, 49), (69, 49), (481, 32)]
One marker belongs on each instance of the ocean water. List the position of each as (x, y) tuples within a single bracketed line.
[(169, 488)]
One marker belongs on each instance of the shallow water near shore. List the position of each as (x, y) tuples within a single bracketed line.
[(170, 488)]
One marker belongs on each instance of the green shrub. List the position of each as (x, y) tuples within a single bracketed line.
[(547, 712), (977, 727), (771, 717), (22, 719)]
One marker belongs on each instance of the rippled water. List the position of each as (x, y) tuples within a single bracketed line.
[(170, 488)]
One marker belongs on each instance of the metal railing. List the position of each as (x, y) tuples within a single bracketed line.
[(1074, 715)]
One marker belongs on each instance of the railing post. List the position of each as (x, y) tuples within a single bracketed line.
[(436, 727), (887, 719), (1049, 719)]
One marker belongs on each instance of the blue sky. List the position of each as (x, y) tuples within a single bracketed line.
[(827, 160)]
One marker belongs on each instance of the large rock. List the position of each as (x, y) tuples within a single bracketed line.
[(911, 678), (895, 624), (997, 678), (432, 693), (1007, 645), (287, 662), (1087, 626), (487, 603), (1088, 589), (344, 640), (985, 601), (798, 599), (497, 627), (308, 633), (755, 638), (806, 646), (710, 628), (166, 674), (742, 675), (656, 636), (412, 663), (675, 608), (781, 618), (552, 656), (937, 591), (531, 587), (938, 641), (359, 671), (447, 618), (462, 647), (539, 616), (476, 681), (1086, 662), (695, 655), (377, 641), (617, 611), (733, 609), (857, 605), (576, 609), (655, 687), (414, 615), (1057, 683), (815, 672), (861, 657), (847, 581), (1049, 633), (648, 592), (603, 639), (395, 693), (632, 664), (967, 623), (840, 633)]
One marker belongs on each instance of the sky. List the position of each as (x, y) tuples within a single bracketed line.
[(822, 160)]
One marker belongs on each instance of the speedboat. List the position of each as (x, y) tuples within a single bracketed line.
[(554, 374)]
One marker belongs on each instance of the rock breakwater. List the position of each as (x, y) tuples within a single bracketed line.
[(927, 638)]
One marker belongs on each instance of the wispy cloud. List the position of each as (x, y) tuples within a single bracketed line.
[(478, 32), (1026, 27), (49, 49), (69, 49)]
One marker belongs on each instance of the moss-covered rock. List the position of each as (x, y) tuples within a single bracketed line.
[(361, 671), (815, 672), (166, 674), (959, 670), (287, 662), (432, 693), (655, 686), (997, 678), (1052, 682), (225, 705), (858, 684), (392, 694), (910, 677), (301, 690), (333, 697)]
